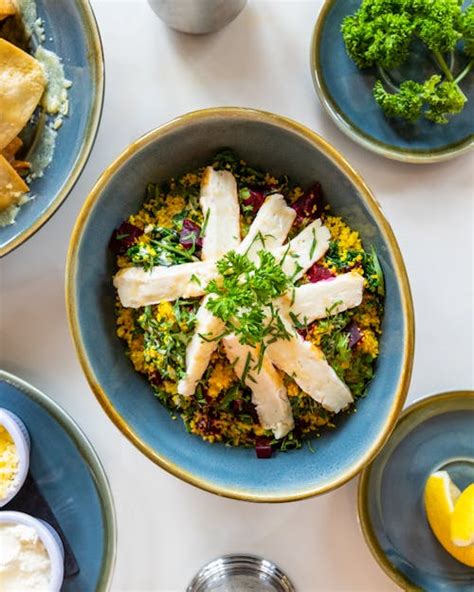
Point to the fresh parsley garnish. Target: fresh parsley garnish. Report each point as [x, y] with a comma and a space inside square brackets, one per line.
[242, 296]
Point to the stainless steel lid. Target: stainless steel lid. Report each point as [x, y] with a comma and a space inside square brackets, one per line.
[240, 573]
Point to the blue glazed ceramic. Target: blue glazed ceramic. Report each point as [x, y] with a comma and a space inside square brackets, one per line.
[280, 146]
[433, 434]
[346, 93]
[71, 479]
[71, 32]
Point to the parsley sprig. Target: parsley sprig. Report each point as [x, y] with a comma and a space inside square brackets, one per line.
[242, 297]
[385, 33]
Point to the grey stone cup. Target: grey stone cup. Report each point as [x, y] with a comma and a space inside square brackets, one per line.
[197, 16]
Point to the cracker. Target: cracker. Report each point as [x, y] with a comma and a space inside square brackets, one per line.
[12, 186]
[7, 8]
[10, 150]
[22, 82]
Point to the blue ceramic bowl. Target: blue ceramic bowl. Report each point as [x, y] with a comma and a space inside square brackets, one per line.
[71, 32]
[280, 146]
[346, 93]
[69, 476]
[433, 434]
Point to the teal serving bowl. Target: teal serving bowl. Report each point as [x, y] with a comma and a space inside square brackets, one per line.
[279, 146]
[71, 32]
[433, 434]
[69, 477]
[345, 92]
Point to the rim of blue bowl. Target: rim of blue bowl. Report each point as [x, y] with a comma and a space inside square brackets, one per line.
[89, 454]
[96, 61]
[363, 498]
[373, 205]
[356, 134]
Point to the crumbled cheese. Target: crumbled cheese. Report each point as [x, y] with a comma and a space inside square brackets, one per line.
[24, 561]
[9, 463]
[55, 98]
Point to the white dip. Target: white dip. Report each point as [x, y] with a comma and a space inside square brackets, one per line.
[24, 562]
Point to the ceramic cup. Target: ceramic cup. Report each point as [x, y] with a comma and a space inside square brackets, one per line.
[197, 16]
[50, 539]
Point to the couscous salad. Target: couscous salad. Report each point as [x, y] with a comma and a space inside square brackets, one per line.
[253, 311]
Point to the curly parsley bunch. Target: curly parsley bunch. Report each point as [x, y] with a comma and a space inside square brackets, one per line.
[381, 33]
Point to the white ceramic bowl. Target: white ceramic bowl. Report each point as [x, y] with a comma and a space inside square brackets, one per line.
[17, 430]
[50, 539]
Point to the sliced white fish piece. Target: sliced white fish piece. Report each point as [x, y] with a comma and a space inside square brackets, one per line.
[268, 391]
[300, 253]
[306, 364]
[221, 210]
[200, 348]
[269, 228]
[137, 287]
[328, 297]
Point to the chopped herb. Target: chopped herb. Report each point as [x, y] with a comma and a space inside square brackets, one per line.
[243, 296]
[314, 244]
[246, 367]
[205, 223]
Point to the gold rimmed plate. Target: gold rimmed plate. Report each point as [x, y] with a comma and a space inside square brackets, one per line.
[71, 32]
[433, 434]
[346, 93]
[280, 146]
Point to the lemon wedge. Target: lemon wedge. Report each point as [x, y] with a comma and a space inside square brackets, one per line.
[440, 498]
[462, 521]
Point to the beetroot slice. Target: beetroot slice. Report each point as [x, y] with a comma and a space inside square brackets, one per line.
[155, 379]
[319, 273]
[124, 237]
[309, 204]
[355, 334]
[190, 235]
[263, 447]
[256, 197]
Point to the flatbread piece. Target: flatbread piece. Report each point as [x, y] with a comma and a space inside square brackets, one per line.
[7, 8]
[12, 186]
[22, 82]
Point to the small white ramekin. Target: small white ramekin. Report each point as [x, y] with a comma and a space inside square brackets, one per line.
[50, 539]
[21, 439]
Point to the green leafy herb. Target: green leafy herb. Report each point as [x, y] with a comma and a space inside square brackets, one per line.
[373, 272]
[314, 244]
[242, 296]
[167, 339]
[204, 225]
[381, 33]
[163, 248]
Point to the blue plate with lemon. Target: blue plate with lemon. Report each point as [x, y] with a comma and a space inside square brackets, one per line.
[416, 500]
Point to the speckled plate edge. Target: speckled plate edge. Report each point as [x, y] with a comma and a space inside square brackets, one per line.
[96, 61]
[353, 132]
[362, 493]
[90, 456]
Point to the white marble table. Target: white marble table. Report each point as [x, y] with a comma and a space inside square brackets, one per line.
[168, 529]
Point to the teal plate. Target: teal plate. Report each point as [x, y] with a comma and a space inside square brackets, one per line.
[345, 92]
[434, 434]
[71, 479]
[72, 33]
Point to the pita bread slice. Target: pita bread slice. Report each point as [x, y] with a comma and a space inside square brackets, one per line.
[7, 8]
[22, 83]
[10, 150]
[12, 186]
